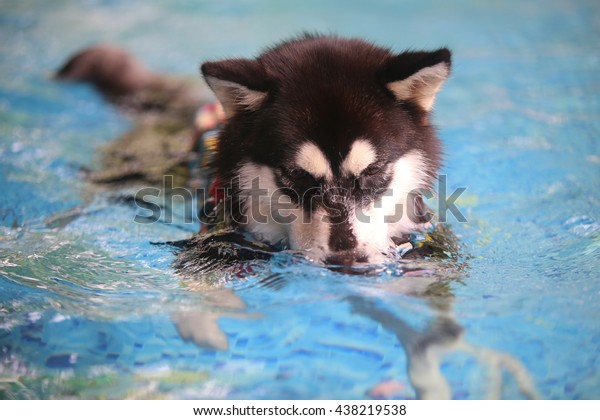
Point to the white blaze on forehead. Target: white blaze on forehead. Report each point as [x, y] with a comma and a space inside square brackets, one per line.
[361, 155]
[313, 160]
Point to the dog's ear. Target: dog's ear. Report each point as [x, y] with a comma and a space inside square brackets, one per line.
[417, 76]
[239, 84]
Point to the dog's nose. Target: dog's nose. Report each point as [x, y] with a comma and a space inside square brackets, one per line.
[346, 258]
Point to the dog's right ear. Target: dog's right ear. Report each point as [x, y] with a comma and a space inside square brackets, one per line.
[417, 76]
[239, 84]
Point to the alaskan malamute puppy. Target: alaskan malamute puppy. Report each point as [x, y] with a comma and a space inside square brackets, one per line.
[327, 145]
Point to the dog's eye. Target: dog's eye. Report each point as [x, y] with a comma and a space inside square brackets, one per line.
[373, 169]
[299, 175]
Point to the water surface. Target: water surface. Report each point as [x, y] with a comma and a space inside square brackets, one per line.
[89, 308]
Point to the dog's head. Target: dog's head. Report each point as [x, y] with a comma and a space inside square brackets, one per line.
[327, 144]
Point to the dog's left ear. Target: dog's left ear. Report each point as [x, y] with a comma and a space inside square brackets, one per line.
[239, 84]
[417, 76]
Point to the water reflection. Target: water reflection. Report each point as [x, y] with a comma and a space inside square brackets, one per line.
[200, 325]
[426, 348]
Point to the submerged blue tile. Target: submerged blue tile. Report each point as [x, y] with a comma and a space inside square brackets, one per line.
[62, 361]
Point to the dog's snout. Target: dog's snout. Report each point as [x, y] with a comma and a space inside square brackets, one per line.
[346, 258]
[341, 237]
[340, 259]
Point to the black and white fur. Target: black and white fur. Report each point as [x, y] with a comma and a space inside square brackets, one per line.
[337, 134]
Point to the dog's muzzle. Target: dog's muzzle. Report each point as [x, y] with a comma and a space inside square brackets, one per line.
[346, 258]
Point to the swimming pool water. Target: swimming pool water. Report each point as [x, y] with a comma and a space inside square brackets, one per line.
[89, 308]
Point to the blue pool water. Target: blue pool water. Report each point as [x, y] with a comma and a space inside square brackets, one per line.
[89, 308]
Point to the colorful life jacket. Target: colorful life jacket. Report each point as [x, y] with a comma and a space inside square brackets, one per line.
[207, 124]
